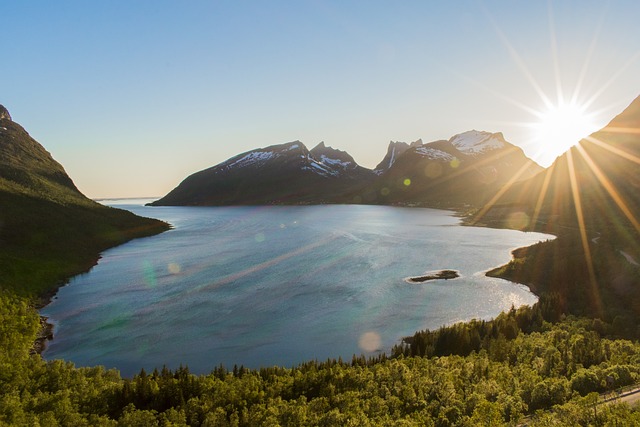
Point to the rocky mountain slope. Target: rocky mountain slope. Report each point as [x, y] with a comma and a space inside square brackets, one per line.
[279, 174]
[394, 150]
[465, 169]
[49, 230]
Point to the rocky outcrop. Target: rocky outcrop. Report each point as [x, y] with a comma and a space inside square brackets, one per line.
[4, 113]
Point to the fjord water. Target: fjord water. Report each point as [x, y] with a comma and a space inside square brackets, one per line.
[262, 286]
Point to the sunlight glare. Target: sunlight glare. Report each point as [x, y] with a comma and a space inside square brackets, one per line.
[560, 127]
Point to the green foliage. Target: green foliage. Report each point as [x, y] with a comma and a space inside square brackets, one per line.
[44, 243]
[551, 367]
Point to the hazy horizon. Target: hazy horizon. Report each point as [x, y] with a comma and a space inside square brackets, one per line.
[132, 98]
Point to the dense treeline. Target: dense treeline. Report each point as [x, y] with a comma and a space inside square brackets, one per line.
[516, 371]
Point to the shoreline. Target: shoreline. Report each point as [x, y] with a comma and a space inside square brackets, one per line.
[46, 332]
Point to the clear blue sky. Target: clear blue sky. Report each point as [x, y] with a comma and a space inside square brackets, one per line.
[133, 96]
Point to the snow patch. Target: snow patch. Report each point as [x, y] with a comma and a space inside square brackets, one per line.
[475, 142]
[334, 162]
[320, 169]
[434, 153]
[392, 160]
[252, 158]
[3, 128]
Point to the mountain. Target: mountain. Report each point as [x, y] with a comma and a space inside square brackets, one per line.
[590, 198]
[394, 150]
[467, 169]
[49, 230]
[279, 174]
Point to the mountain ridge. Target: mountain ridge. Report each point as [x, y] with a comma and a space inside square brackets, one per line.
[291, 174]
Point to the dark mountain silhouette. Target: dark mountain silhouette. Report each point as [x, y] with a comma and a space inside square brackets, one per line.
[467, 169]
[278, 174]
[394, 151]
[464, 169]
[590, 198]
[49, 230]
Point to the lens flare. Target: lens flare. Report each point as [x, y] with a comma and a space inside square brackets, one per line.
[370, 342]
[149, 274]
[174, 268]
[518, 220]
[433, 170]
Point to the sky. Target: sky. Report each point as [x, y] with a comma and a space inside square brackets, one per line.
[132, 97]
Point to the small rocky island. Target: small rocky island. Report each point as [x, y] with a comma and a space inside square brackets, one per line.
[434, 275]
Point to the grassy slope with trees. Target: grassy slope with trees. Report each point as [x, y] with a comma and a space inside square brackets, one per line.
[476, 373]
[49, 231]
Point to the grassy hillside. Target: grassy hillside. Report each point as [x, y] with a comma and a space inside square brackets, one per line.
[49, 231]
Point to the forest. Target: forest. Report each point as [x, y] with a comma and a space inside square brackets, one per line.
[531, 364]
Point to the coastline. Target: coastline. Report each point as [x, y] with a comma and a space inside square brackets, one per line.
[46, 331]
[503, 271]
[452, 221]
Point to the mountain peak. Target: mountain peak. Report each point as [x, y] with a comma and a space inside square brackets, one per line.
[475, 142]
[395, 149]
[4, 113]
[289, 146]
[333, 157]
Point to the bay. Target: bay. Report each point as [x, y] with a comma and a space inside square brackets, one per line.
[278, 285]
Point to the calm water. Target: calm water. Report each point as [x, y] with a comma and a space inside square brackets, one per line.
[278, 285]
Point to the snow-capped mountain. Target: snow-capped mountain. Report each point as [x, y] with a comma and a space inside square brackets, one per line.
[475, 142]
[337, 161]
[278, 174]
[465, 169]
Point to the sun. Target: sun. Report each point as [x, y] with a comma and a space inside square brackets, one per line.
[559, 127]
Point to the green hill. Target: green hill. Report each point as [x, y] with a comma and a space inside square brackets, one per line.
[49, 231]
